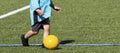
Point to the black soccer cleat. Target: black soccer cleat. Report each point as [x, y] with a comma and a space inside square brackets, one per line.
[24, 41]
[43, 45]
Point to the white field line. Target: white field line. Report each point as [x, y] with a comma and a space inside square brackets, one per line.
[14, 12]
[16, 45]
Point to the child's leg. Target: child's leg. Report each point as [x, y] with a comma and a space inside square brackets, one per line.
[46, 31]
[35, 30]
[24, 38]
[29, 34]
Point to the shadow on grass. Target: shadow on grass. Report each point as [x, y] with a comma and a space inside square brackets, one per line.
[67, 41]
[64, 42]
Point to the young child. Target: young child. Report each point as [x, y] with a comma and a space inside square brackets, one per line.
[40, 12]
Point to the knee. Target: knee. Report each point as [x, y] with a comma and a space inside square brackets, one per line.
[47, 28]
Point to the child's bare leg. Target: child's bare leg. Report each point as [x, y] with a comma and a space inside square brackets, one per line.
[29, 34]
[46, 31]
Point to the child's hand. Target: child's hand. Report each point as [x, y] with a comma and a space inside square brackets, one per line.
[57, 8]
[40, 12]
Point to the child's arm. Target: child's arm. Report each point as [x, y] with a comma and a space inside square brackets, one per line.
[55, 7]
[40, 12]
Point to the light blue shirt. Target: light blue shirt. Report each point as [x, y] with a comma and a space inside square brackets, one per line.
[44, 5]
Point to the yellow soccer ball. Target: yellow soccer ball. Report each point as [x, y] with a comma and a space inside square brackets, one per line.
[51, 42]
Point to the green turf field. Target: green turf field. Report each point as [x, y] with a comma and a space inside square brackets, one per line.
[83, 21]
